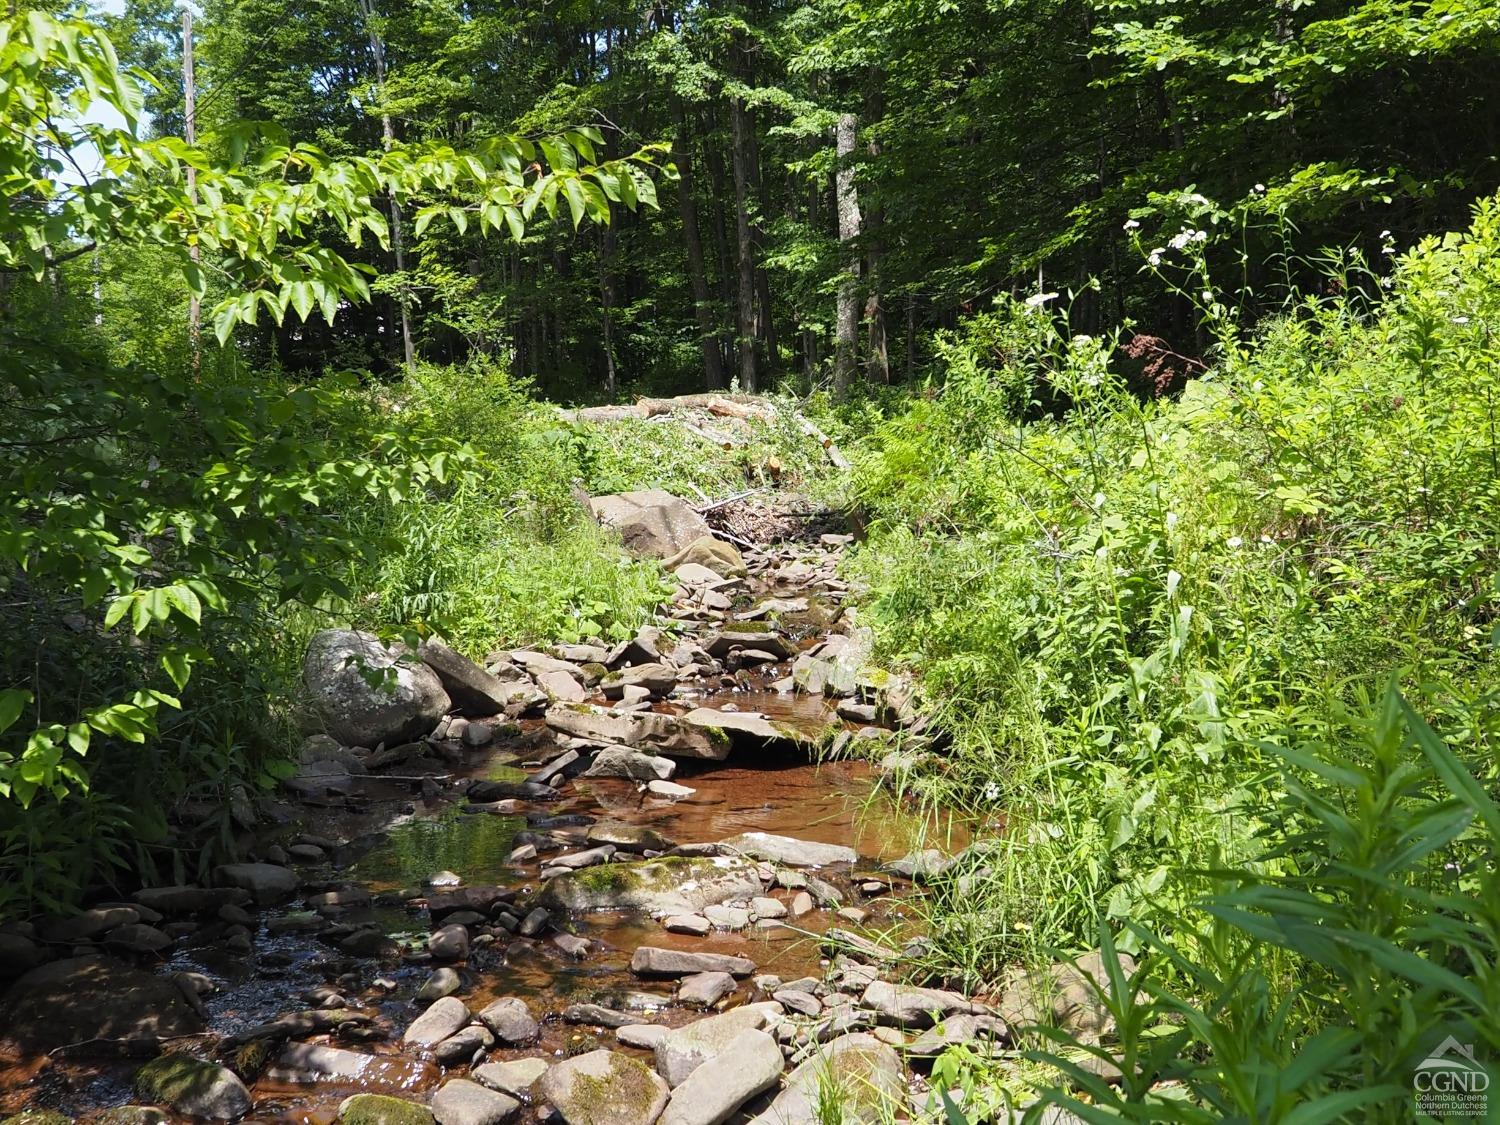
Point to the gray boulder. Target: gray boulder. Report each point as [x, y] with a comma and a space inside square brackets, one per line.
[651, 523]
[621, 761]
[682, 1050]
[267, 883]
[462, 1102]
[515, 1078]
[404, 703]
[194, 1088]
[604, 1088]
[381, 1109]
[511, 1021]
[750, 1064]
[906, 1005]
[443, 1019]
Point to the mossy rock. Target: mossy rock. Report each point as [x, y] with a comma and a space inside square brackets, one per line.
[38, 1117]
[133, 1115]
[668, 883]
[604, 1088]
[193, 1087]
[381, 1109]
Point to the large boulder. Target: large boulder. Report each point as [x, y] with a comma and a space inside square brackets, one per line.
[267, 883]
[667, 885]
[658, 733]
[651, 523]
[906, 1005]
[862, 1075]
[604, 1088]
[1070, 995]
[93, 999]
[404, 702]
[462, 1102]
[381, 1109]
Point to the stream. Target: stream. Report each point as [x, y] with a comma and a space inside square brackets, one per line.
[387, 836]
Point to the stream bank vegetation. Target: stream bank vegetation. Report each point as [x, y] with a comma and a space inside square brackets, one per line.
[1222, 664]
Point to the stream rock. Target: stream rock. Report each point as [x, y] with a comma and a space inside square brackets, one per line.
[442, 982]
[656, 679]
[748, 727]
[654, 961]
[683, 1049]
[407, 702]
[627, 837]
[667, 885]
[89, 998]
[89, 924]
[451, 943]
[194, 1088]
[864, 1074]
[721, 644]
[460, 1048]
[833, 667]
[621, 761]
[304, 1063]
[515, 1078]
[663, 734]
[461, 1102]
[788, 851]
[511, 1021]
[380, 1109]
[704, 990]
[443, 1019]
[906, 1005]
[604, 1088]
[268, 883]
[651, 523]
[750, 1064]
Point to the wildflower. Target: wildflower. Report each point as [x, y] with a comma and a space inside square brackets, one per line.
[1208, 296]
[1171, 520]
[1234, 541]
[1099, 499]
[1154, 257]
[1037, 300]
[1081, 339]
[992, 792]
[1131, 224]
[1196, 198]
[1260, 189]
[1460, 320]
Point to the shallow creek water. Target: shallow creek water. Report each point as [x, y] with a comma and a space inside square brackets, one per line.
[396, 843]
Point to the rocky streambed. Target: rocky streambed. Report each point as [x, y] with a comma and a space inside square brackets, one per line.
[650, 880]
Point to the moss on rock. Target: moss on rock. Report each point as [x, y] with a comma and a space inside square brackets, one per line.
[381, 1109]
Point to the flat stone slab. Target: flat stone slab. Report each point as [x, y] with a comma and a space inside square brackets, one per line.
[654, 961]
[648, 730]
[461, 1102]
[682, 1050]
[789, 851]
[667, 885]
[750, 1064]
[863, 1074]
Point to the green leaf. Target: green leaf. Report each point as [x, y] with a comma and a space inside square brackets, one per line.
[12, 702]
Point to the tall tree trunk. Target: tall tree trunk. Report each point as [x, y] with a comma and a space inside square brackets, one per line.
[745, 245]
[848, 294]
[878, 355]
[190, 134]
[607, 300]
[703, 308]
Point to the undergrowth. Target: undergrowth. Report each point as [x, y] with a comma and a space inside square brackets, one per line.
[1143, 623]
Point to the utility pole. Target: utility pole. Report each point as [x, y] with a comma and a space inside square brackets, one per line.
[388, 137]
[190, 134]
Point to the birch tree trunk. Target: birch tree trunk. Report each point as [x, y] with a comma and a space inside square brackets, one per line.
[845, 355]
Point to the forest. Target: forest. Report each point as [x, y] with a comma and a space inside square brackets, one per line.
[777, 563]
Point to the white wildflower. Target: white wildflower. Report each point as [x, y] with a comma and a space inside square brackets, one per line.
[1260, 189]
[1099, 499]
[1460, 320]
[1208, 296]
[1081, 339]
[1234, 541]
[1131, 224]
[1037, 300]
[1154, 257]
[1171, 520]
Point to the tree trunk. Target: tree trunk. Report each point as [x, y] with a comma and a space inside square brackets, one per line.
[388, 138]
[607, 300]
[765, 324]
[745, 245]
[878, 361]
[848, 293]
[703, 307]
